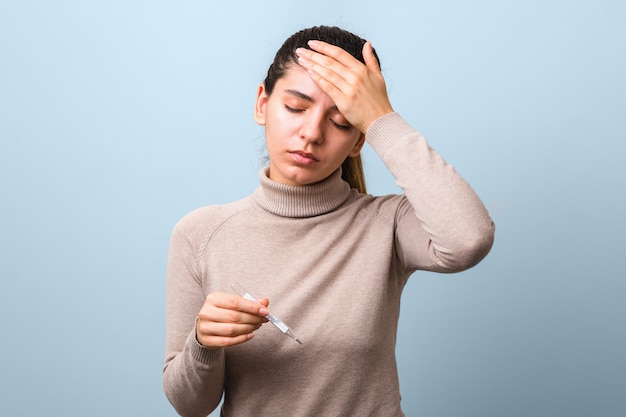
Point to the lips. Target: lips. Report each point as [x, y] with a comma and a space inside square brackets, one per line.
[303, 158]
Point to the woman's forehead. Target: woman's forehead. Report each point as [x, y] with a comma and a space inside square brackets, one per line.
[297, 82]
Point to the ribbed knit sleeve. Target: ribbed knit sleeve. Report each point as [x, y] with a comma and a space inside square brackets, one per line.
[193, 376]
[458, 229]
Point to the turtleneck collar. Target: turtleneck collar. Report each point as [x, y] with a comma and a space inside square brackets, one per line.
[301, 201]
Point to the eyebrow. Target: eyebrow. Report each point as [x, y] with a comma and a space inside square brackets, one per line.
[300, 95]
[304, 97]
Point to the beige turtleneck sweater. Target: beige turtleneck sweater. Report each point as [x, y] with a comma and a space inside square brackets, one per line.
[333, 264]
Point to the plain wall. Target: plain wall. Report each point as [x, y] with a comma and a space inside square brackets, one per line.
[118, 117]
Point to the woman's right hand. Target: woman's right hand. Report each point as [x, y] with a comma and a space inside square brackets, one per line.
[228, 320]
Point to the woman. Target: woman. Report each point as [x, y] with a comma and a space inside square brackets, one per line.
[332, 259]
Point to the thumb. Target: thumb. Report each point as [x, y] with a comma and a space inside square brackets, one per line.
[368, 56]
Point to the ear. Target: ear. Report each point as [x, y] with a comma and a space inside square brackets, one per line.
[260, 105]
[357, 146]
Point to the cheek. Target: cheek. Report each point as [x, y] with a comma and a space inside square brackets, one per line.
[274, 136]
[347, 142]
[280, 122]
[278, 131]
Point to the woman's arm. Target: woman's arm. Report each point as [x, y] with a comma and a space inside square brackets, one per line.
[453, 230]
[198, 328]
[193, 375]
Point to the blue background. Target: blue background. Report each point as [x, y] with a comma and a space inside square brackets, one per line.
[118, 117]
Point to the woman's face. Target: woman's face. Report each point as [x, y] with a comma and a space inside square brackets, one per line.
[307, 138]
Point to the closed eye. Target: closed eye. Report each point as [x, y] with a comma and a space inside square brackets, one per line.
[292, 110]
[337, 125]
[340, 126]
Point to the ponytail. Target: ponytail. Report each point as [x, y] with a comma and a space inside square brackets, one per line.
[352, 172]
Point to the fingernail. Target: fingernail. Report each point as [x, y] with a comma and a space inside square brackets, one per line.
[302, 60]
[264, 311]
[300, 51]
[313, 43]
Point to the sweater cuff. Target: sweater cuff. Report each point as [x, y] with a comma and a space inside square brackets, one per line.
[387, 130]
[203, 354]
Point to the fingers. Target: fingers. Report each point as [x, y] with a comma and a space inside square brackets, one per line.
[324, 55]
[358, 90]
[327, 51]
[228, 320]
[331, 67]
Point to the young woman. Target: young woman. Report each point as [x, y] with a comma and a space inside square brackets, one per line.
[332, 259]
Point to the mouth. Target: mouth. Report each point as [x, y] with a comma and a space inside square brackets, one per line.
[303, 158]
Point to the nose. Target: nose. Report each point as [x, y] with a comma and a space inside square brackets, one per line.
[311, 130]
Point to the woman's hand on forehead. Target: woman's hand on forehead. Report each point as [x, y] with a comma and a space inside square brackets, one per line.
[358, 90]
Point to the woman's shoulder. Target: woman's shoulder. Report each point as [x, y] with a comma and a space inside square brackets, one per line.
[204, 218]
[386, 206]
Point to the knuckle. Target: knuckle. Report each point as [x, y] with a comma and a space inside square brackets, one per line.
[361, 70]
[351, 92]
[327, 62]
[210, 299]
[233, 316]
[232, 303]
[221, 342]
[231, 330]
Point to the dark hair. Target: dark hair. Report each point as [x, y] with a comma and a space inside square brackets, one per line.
[352, 168]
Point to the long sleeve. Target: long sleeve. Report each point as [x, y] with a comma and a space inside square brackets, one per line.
[193, 376]
[454, 230]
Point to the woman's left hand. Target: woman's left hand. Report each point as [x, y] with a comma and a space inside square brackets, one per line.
[358, 90]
